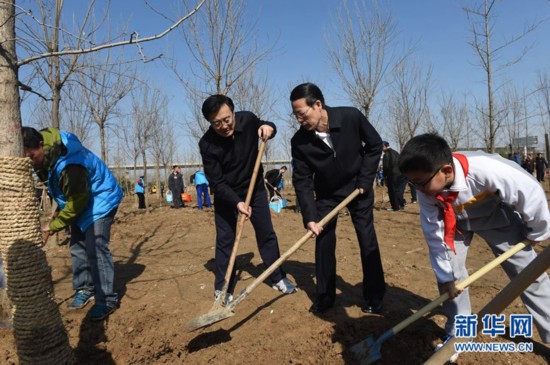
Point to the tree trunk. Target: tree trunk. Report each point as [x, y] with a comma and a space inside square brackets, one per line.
[40, 337]
[55, 108]
[492, 127]
[157, 180]
[102, 140]
[144, 157]
[11, 143]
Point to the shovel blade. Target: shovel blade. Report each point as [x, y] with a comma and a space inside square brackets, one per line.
[367, 351]
[209, 318]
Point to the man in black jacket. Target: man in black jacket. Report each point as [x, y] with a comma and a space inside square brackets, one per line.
[273, 179]
[540, 166]
[177, 187]
[395, 181]
[229, 149]
[335, 151]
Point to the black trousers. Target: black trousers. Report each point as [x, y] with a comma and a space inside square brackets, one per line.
[141, 200]
[225, 217]
[540, 174]
[176, 200]
[360, 210]
[396, 190]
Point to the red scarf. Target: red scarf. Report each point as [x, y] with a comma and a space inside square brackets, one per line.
[449, 217]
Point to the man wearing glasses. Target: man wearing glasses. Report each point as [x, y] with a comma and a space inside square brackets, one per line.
[229, 149]
[335, 151]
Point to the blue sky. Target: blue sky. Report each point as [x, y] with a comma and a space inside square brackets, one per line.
[438, 28]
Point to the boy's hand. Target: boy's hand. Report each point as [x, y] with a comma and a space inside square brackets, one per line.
[450, 287]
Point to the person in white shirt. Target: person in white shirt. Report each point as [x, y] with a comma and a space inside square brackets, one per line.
[483, 194]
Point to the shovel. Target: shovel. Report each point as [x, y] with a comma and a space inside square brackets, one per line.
[514, 289]
[219, 314]
[368, 350]
[218, 302]
[274, 189]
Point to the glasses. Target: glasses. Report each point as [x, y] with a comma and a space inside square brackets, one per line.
[421, 185]
[300, 115]
[219, 123]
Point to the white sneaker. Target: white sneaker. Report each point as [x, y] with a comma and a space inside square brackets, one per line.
[226, 301]
[285, 286]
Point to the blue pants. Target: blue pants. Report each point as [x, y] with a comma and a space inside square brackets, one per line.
[93, 267]
[225, 216]
[202, 190]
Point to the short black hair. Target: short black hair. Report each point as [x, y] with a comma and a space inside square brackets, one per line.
[31, 137]
[310, 91]
[425, 152]
[284, 167]
[213, 104]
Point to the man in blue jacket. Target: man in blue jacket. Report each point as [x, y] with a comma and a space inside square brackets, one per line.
[140, 192]
[88, 196]
[201, 184]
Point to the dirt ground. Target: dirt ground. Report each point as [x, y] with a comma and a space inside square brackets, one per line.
[164, 263]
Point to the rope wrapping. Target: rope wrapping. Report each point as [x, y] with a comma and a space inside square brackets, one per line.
[39, 333]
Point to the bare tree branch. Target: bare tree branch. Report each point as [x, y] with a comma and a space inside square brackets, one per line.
[408, 102]
[360, 50]
[104, 87]
[481, 19]
[225, 55]
[132, 40]
[455, 121]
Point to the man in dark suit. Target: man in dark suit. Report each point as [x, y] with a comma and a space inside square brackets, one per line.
[273, 179]
[229, 149]
[335, 151]
[177, 187]
[395, 181]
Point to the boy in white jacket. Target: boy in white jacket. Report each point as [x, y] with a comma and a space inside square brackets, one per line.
[483, 194]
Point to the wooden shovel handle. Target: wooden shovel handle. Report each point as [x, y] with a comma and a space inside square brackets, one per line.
[242, 218]
[293, 249]
[463, 284]
[515, 288]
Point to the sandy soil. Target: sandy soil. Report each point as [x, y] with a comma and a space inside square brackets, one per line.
[164, 262]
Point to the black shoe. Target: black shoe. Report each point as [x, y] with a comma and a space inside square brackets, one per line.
[372, 308]
[321, 304]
